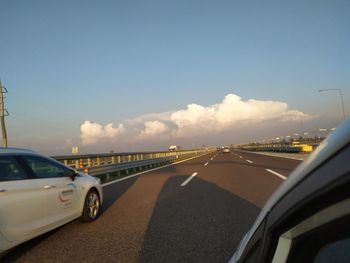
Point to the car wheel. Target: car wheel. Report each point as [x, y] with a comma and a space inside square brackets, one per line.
[91, 206]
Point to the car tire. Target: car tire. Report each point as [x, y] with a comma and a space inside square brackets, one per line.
[92, 206]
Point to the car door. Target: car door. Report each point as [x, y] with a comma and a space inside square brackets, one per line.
[61, 202]
[21, 201]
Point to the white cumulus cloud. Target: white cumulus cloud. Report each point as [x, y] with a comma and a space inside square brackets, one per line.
[154, 129]
[197, 119]
[91, 132]
[233, 113]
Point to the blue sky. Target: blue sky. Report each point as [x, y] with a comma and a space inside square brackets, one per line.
[65, 62]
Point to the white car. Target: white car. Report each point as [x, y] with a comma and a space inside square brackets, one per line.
[226, 150]
[38, 194]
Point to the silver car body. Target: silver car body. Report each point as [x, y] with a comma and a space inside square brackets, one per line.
[33, 206]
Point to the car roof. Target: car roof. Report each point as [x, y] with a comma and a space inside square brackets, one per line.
[331, 145]
[14, 150]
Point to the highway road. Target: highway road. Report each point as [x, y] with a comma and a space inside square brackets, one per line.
[193, 211]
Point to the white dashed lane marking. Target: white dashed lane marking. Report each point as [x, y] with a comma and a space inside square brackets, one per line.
[189, 179]
[277, 174]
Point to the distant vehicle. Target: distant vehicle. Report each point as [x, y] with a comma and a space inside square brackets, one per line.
[307, 218]
[174, 148]
[38, 194]
[226, 150]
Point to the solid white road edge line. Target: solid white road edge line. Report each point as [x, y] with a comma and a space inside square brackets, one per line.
[189, 179]
[277, 174]
[249, 161]
[279, 156]
[133, 175]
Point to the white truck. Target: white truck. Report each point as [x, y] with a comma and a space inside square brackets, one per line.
[174, 148]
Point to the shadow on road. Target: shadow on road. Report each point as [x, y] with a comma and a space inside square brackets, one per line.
[209, 233]
[16, 253]
[113, 192]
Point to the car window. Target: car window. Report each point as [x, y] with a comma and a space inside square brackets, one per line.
[329, 242]
[253, 254]
[10, 169]
[254, 245]
[336, 252]
[44, 168]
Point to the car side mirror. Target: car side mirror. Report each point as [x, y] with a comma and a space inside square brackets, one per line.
[72, 174]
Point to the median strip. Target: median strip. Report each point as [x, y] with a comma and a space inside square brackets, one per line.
[189, 179]
[277, 174]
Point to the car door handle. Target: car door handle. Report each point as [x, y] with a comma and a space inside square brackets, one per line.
[49, 186]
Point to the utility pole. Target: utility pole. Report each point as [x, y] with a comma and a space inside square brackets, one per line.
[3, 113]
[341, 99]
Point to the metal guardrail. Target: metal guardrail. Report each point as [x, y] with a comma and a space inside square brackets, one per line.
[112, 166]
[134, 166]
[115, 162]
[126, 168]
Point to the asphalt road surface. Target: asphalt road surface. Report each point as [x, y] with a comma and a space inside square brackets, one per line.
[194, 211]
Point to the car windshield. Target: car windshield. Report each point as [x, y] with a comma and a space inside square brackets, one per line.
[166, 125]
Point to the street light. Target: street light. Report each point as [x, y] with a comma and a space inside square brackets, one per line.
[341, 98]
